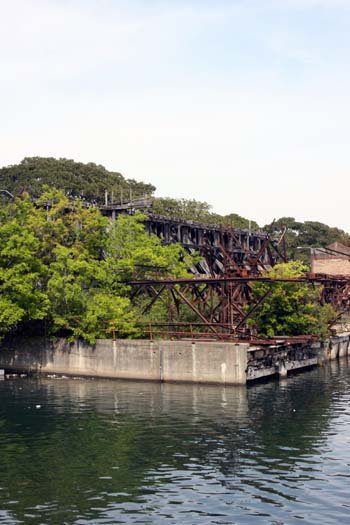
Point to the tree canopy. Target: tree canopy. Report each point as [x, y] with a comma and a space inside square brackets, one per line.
[291, 308]
[75, 179]
[68, 266]
[65, 266]
[300, 236]
[193, 210]
[90, 181]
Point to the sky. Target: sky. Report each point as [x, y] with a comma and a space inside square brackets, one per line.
[240, 103]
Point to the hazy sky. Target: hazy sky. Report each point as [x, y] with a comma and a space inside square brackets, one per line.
[241, 103]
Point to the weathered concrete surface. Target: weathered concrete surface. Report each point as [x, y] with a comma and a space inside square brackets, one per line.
[211, 362]
[204, 362]
[295, 365]
[338, 346]
[273, 360]
[165, 361]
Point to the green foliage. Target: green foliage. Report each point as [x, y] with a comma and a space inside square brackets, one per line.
[74, 178]
[187, 209]
[190, 209]
[10, 314]
[67, 265]
[80, 299]
[300, 236]
[22, 270]
[133, 254]
[291, 308]
[234, 220]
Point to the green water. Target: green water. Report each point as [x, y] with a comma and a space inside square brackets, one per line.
[97, 452]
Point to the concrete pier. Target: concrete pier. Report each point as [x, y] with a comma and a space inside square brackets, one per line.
[281, 358]
[180, 361]
[168, 361]
[338, 346]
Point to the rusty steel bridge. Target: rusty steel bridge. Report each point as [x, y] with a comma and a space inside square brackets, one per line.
[225, 251]
[219, 295]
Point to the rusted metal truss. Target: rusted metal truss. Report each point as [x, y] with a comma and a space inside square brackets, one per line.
[336, 292]
[219, 297]
[217, 306]
[221, 306]
[225, 251]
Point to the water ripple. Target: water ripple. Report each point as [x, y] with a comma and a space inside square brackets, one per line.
[98, 452]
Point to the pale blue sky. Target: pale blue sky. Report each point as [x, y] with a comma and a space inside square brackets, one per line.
[242, 103]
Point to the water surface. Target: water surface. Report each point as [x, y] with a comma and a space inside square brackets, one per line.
[77, 451]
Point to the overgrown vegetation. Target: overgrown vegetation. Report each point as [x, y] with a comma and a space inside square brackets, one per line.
[301, 236]
[291, 308]
[190, 209]
[66, 266]
[90, 181]
[76, 179]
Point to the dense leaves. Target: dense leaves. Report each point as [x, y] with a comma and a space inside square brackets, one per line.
[133, 254]
[22, 271]
[291, 308]
[301, 236]
[90, 181]
[190, 209]
[76, 179]
[64, 266]
[68, 266]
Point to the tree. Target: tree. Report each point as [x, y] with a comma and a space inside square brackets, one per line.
[192, 210]
[132, 254]
[65, 264]
[90, 263]
[185, 209]
[22, 297]
[306, 234]
[81, 302]
[291, 308]
[76, 179]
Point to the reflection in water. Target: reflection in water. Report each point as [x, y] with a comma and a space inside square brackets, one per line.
[88, 451]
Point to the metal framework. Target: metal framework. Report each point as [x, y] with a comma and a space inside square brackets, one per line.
[219, 297]
[336, 291]
[225, 251]
[221, 306]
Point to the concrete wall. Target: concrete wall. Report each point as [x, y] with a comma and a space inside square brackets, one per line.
[331, 266]
[180, 361]
[211, 362]
[338, 346]
[200, 362]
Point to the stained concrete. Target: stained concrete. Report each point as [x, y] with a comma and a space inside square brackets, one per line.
[338, 346]
[162, 361]
[202, 362]
[211, 362]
